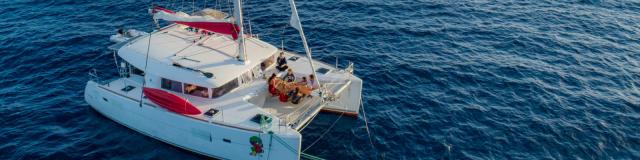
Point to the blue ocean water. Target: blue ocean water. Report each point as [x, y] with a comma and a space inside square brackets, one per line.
[443, 79]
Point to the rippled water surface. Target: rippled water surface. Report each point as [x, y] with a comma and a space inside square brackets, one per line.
[443, 79]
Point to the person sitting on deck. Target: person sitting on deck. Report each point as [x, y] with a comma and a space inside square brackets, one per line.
[272, 84]
[289, 77]
[270, 80]
[282, 90]
[292, 88]
[296, 96]
[282, 62]
[303, 82]
[312, 82]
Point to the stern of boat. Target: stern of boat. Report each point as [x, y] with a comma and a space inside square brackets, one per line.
[345, 97]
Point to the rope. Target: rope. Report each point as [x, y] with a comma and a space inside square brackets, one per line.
[366, 124]
[308, 156]
[283, 143]
[325, 132]
[146, 62]
[270, 144]
[304, 155]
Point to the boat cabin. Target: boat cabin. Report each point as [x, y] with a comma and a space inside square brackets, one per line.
[201, 65]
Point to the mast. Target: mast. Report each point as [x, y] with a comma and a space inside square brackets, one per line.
[295, 23]
[242, 56]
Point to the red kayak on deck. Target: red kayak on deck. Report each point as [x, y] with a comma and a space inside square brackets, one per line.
[171, 101]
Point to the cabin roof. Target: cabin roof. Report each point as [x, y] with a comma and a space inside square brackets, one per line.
[212, 53]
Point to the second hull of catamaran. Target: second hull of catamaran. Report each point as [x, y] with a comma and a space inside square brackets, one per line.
[210, 139]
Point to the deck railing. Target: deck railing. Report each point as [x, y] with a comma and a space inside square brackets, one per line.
[326, 94]
[294, 118]
[93, 76]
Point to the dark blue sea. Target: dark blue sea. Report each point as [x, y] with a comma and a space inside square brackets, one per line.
[443, 79]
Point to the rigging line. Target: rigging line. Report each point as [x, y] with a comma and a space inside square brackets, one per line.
[366, 124]
[325, 132]
[285, 144]
[270, 144]
[146, 62]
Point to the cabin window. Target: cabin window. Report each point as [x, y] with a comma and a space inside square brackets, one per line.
[126, 69]
[195, 90]
[224, 89]
[137, 71]
[256, 72]
[247, 77]
[171, 85]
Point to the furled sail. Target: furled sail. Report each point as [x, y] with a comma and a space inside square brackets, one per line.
[295, 23]
[201, 22]
[295, 20]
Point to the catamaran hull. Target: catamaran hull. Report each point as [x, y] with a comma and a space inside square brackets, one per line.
[209, 139]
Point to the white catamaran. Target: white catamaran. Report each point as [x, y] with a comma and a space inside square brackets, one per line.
[203, 85]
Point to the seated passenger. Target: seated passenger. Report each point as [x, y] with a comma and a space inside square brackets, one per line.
[292, 90]
[273, 90]
[204, 93]
[283, 97]
[296, 96]
[189, 89]
[303, 82]
[289, 77]
[312, 82]
[270, 79]
[273, 81]
[282, 62]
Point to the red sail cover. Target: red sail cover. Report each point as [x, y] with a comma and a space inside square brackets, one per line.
[217, 27]
[170, 101]
[200, 22]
